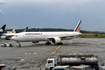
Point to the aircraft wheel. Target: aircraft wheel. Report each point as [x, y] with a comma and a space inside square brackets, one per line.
[10, 45]
[59, 43]
[48, 43]
[5, 45]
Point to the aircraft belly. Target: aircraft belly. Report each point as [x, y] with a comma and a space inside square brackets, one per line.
[30, 39]
[33, 38]
[41, 37]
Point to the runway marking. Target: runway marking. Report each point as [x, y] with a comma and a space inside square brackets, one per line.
[70, 53]
[47, 53]
[48, 50]
[57, 49]
[25, 53]
[34, 53]
[51, 53]
[29, 53]
[15, 45]
[80, 53]
[94, 44]
[91, 43]
[58, 53]
[74, 53]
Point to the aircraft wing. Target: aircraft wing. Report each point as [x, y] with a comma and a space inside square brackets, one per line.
[9, 35]
[63, 37]
[50, 38]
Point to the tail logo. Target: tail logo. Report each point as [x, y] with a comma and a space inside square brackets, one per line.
[13, 32]
[78, 27]
[41, 33]
[24, 30]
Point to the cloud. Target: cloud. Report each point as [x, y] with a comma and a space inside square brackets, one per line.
[2, 2]
[1, 12]
[49, 1]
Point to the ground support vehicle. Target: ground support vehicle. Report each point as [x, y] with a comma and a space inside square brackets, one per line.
[73, 60]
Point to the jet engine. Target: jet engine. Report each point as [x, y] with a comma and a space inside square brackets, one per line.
[35, 41]
[56, 40]
[5, 38]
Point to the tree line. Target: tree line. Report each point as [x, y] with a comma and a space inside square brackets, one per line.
[52, 30]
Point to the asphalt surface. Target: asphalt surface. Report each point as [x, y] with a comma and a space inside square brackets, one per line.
[34, 56]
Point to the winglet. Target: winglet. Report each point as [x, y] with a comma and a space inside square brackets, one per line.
[78, 27]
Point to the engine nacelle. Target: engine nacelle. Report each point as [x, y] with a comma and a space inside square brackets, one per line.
[56, 40]
[3, 37]
[35, 41]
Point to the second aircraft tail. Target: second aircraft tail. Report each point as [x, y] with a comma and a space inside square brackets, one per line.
[2, 29]
[25, 29]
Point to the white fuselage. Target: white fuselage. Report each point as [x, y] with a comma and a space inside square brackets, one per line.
[43, 36]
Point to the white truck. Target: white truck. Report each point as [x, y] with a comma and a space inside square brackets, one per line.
[6, 45]
[72, 60]
[50, 63]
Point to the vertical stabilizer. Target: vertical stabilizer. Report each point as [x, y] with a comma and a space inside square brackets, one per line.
[2, 29]
[78, 27]
[13, 31]
[25, 29]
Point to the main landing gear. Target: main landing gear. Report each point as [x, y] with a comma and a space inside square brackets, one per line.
[48, 43]
[60, 43]
[19, 44]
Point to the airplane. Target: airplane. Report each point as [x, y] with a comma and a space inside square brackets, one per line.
[3, 37]
[2, 29]
[55, 37]
[13, 31]
[7, 36]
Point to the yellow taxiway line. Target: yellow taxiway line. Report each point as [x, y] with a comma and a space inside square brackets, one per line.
[29, 53]
[57, 49]
[75, 53]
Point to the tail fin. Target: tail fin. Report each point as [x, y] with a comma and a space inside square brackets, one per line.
[78, 27]
[13, 31]
[25, 29]
[2, 29]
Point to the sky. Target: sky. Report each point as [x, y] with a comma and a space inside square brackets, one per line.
[18, 14]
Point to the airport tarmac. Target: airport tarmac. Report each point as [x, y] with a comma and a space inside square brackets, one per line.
[33, 56]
